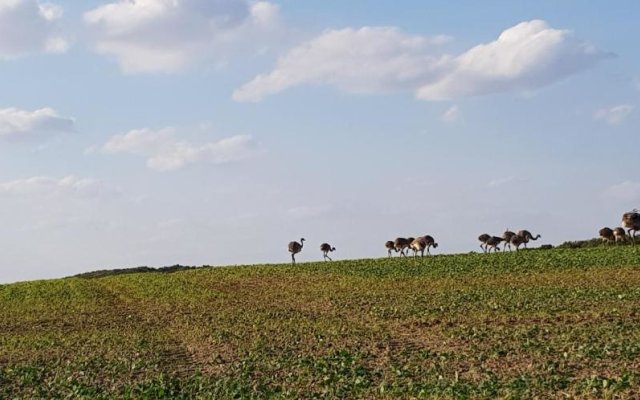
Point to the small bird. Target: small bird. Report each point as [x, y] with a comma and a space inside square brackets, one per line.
[295, 248]
[326, 248]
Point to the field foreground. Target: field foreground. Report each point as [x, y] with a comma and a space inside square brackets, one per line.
[546, 324]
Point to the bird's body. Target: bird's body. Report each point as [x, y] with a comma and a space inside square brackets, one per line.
[493, 243]
[620, 234]
[631, 221]
[390, 245]
[483, 241]
[516, 241]
[326, 249]
[527, 236]
[606, 234]
[506, 236]
[295, 248]
[400, 244]
[421, 244]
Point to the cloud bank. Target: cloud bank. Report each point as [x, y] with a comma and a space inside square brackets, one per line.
[28, 27]
[18, 123]
[164, 152]
[169, 35]
[525, 57]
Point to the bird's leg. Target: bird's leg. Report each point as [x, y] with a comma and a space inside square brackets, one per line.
[293, 258]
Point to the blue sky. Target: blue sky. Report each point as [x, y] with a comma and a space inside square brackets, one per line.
[156, 132]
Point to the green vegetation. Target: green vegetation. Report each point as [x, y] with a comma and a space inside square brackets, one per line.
[546, 324]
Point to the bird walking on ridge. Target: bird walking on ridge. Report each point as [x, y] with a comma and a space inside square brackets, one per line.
[506, 236]
[631, 221]
[620, 235]
[493, 243]
[607, 235]
[526, 235]
[422, 243]
[390, 245]
[401, 244]
[516, 241]
[483, 241]
[326, 249]
[295, 248]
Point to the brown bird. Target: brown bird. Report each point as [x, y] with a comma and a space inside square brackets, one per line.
[483, 241]
[326, 249]
[493, 243]
[620, 235]
[401, 244]
[631, 221]
[526, 235]
[606, 234]
[295, 248]
[390, 245]
[506, 236]
[422, 243]
[516, 241]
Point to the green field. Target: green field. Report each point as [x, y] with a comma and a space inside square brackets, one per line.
[548, 324]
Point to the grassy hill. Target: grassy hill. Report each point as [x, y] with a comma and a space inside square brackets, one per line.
[519, 325]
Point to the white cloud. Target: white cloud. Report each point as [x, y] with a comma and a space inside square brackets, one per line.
[525, 57]
[47, 186]
[28, 27]
[614, 115]
[451, 115]
[169, 35]
[164, 152]
[17, 123]
[627, 191]
[365, 60]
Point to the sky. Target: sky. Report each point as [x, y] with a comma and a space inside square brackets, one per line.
[213, 132]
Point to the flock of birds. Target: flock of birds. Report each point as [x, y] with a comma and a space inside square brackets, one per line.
[630, 220]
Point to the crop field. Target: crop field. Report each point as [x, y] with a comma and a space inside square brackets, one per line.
[561, 323]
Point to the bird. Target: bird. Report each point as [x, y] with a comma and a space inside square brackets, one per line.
[631, 221]
[422, 243]
[492, 243]
[620, 234]
[295, 248]
[606, 234]
[516, 241]
[401, 244]
[390, 245]
[483, 241]
[506, 236]
[326, 248]
[526, 235]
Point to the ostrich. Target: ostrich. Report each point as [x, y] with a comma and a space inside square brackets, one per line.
[295, 248]
[526, 235]
[401, 244]
[492, 243]
[326, 248]
[606, 234]
[422, 243]
[620, 234]
[516, 241]
[631, 221]
[390, 245]
[506, 236]
[483, 241]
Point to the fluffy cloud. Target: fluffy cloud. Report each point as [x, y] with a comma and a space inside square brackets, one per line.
[17, 123]
[627, 191]
[614, 115]
[525, 57]
[165, 153]
[27, 26]
[46, 186]
[366, 60]
[168, 35]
